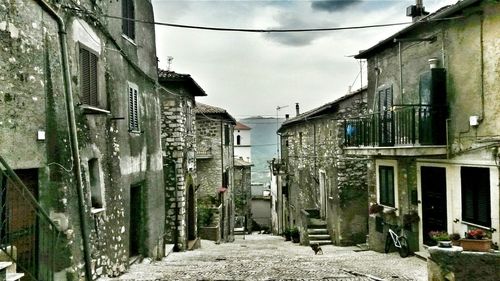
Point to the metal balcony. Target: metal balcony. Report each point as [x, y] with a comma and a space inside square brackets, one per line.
[401, 126]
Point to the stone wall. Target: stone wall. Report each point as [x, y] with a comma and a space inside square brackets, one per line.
[455, 264]
[179, 165]
[217, 158]
[243, 196]
[312, 152]
[128, 163]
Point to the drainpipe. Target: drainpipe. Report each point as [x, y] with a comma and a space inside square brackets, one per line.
[68, 92]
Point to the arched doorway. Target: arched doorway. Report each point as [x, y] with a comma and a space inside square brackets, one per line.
[191, 213]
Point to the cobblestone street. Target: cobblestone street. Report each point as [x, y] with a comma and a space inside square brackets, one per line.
[266, 257]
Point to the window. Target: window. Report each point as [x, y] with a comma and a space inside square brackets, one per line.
[300, 138]
[128, 14]
[226, 135]
[476, 195]
[386, 185]
[225, 179]
[238, 140]
[96, 196]
[88, 77]
[386, 127]
[133, 107]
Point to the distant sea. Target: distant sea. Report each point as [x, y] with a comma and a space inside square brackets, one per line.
[264, 145]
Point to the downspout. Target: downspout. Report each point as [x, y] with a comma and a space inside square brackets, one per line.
[223, 210]
[481, 48]
[68, 92]
[401, 70]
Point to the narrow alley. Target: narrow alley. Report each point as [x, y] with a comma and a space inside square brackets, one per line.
[266, 257]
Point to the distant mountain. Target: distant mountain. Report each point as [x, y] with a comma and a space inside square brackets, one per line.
[264, 149]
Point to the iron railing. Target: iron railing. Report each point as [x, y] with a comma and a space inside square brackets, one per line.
[402, 125]
[28, 237]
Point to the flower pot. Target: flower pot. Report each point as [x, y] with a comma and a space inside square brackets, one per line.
[476, 245]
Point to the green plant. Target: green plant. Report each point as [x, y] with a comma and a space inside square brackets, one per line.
[439, 235]
[375, 209]
[410, 218]
[454, 237]
[287, 234]
[477, 234]
[295, 234]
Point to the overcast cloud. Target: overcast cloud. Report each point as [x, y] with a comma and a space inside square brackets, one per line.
[251, 73]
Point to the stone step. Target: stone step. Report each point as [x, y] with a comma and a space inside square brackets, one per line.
[14, 276]
[313, 231]
[320, 242]
[319, 237]
[316, 222]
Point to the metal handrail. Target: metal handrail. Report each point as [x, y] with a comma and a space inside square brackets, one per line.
[31, 239]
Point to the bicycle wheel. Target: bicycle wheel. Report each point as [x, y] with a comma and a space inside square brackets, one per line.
[404, 251]
[388, 243]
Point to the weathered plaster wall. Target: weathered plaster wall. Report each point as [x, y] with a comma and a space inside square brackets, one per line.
[33, 95]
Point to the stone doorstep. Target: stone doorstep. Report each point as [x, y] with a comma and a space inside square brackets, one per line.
[169, 248]
[319, 237]
[317, 231]
[423, 255]
[14, 276]
[320, 242]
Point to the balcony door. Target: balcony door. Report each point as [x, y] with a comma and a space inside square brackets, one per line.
[386, 117]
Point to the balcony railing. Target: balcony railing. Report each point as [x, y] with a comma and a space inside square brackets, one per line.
[403, 125]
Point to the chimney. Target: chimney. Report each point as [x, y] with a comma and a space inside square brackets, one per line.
[297, 109]
[287, 116]
[416, 11]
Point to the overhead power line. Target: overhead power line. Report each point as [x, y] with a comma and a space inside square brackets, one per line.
[243, 29]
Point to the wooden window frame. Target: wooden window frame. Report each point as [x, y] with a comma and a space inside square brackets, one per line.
[386, 164]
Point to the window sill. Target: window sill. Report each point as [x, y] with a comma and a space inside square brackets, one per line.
[134, 132]
[95, 211]
[130, 40]
[88, 109]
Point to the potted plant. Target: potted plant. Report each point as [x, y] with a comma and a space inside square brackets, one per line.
[295, 234]
[375, 209]
[441, 238]
[287, 234]
[455, 239]
[476, 240]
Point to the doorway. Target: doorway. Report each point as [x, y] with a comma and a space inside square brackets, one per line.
[19, 221]
[136, 221]
[434, 211]
[322, 194]
[191, 216]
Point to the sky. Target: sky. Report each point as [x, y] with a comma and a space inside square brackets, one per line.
[251, 74]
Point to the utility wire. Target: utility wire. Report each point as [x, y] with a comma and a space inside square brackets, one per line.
[245, 29]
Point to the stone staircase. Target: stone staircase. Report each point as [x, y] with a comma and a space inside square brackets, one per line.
[8, 268]
[8, 271]
[318, 232]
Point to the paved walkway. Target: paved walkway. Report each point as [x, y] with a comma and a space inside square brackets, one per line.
[266, 257]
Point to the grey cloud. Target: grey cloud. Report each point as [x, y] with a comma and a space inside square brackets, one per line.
[298, 21]
[333, 5]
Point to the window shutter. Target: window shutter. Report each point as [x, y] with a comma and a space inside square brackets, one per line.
[128, 26]
[88, 78]
[476, 205]
[84, 76]
[133, 109]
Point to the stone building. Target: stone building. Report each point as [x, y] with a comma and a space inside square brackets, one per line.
[215, 168]
[432, 135]
[177, 97]
[243, 194]
[79, 112]
[318, 186]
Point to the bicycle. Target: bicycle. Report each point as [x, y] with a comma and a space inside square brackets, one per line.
[399, 241]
